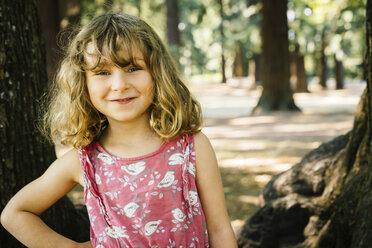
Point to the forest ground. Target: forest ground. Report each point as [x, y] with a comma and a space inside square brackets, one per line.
[251, 149]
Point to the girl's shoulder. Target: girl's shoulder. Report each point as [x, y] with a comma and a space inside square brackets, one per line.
[201, 140]
[203, 148]
[198, 142]
[69, 164]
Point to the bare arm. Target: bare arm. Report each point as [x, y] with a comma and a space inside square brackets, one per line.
[211, 194]
[21, 215]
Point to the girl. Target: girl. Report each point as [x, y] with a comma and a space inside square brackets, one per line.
[150, 176]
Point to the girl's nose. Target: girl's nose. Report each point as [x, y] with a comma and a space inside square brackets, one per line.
[120, 81]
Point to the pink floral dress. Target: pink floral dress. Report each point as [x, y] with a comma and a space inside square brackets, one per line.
[147, 201]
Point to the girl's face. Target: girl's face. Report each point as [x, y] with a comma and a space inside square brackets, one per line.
[122, 94]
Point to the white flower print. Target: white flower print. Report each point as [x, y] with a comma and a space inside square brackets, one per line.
[116, 232]
[105, 158]
[98, 179]
[130, 208]
[191, 169]
[112, 195]
[100, 246]
[151, 226]
[167, 180]
[187, 151]
[175, 159]
[193, 197]
[178, 214]
[135, 168]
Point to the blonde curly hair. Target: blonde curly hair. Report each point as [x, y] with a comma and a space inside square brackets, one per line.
[70, 117]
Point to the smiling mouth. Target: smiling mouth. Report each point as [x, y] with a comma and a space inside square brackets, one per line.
[123, 101]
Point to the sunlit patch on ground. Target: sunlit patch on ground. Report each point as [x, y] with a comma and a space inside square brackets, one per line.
[252, 149]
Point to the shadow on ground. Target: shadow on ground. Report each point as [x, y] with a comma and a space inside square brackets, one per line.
[251, 149]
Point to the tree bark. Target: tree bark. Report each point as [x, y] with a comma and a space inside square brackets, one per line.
[50, 22]
[54, 17]
[299, 70]
[276, 94]
[257, 67]
[222, 36]
[173, 34]
[322, 65]
[238, 66]
[339, 74]
[70, 12]
[172, 22]
[325, 200]
[301, 83]
[23, 80]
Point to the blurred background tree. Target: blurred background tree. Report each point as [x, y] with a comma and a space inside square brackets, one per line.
[328, 35]
[277, 93]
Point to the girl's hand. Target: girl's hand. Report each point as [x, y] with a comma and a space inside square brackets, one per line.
[87, 244]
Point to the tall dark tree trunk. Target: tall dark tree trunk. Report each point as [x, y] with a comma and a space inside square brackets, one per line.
[173, 34]
[222, 36]
[50, 23]
[322, 65]
[339, 74]
[70, 11]
[258, 67]
[55, 15]
[238, 66]
[23, 80]
[252, 71]
[301, 83]
[325, 200]
[299, 70]
[276, 94]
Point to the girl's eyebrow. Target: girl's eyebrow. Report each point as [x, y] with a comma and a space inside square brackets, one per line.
[102, 65]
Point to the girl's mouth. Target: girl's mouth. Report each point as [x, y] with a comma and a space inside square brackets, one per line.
[124, 100]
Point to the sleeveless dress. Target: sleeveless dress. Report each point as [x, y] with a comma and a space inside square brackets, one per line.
[146, 201]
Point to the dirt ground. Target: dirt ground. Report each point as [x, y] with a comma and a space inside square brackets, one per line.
[251, 149]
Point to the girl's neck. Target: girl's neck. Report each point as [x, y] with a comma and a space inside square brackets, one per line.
[130, 139]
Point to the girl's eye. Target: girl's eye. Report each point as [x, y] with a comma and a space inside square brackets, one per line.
[133, 69]
[102, 73]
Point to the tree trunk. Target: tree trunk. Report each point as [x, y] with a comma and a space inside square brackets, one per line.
[23, 80]
[322, 65]
[172, 22]
[173, 33]
[257, 67]
[339, 74]
[325, 200]
[53, 17]
[222, 35]
[50, 23]
[238, 66]
[301, 83]
[70, 12]
[299, 71]
[276, 94]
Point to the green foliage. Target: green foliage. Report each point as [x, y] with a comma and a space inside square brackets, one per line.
[341, 22]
